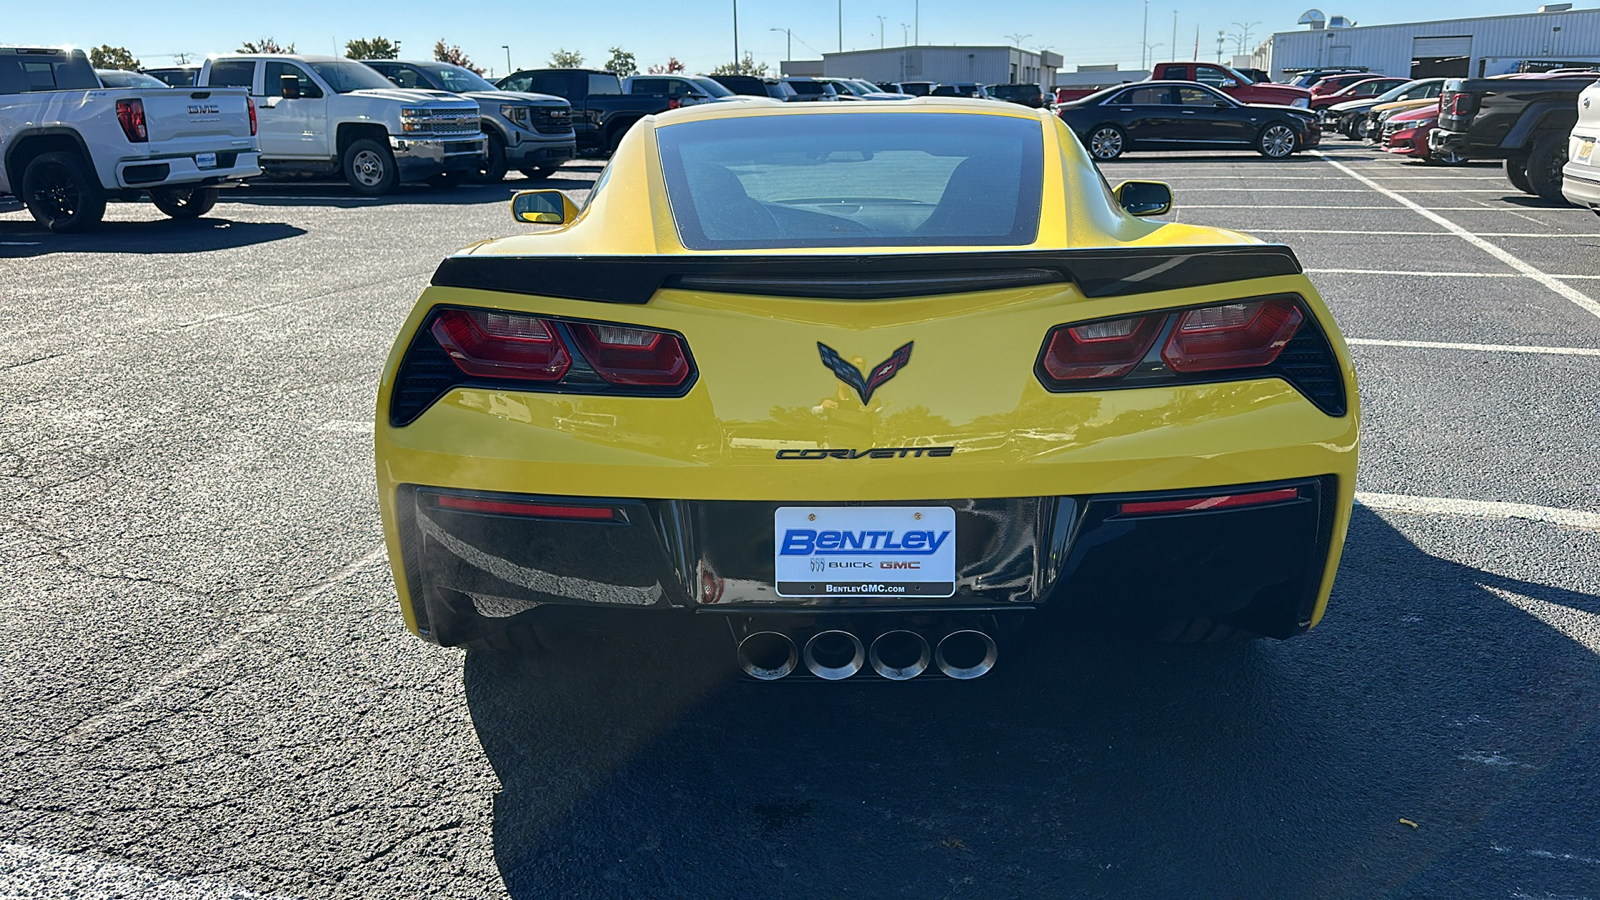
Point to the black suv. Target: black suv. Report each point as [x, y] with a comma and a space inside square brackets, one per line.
[1025, 94]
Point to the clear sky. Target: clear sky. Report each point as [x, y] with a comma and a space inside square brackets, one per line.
[697, 32]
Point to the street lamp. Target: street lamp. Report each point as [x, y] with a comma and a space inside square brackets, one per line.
[905, 34]
[1244, 34]
[788, 51]
[1017, 38]
[507, 49]
[880, 32]
[736, 35]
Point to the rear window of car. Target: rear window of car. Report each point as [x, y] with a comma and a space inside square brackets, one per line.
[854, 180]
[22, 72]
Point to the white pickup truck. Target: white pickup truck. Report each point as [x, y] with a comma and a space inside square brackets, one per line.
[67, 144]
[324, 115]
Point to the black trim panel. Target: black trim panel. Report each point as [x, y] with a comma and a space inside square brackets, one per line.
[1098, 272]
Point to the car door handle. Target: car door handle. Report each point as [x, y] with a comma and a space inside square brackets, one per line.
[1188, 112]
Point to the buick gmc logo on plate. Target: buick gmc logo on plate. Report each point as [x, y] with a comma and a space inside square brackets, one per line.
[891, 551]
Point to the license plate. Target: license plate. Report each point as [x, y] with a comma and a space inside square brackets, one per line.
[206, 160]
[1585, 150]
[865, 551]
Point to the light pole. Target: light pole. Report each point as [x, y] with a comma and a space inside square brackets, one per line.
[841, 26]
[1174, 44]
[735, 35]
[1244, 34]
[507, 49]
[788, 49]
[1151, 50]
[1144, 39]
[905, 34]
[1221, 37]
[1017, 38]
[916, 27]
[880, 32]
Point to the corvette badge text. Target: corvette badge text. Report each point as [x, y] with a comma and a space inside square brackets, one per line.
[871, 453]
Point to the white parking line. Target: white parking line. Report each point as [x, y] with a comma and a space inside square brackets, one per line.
[1323, 207]
[1297, 190]
[1576, 296]
[1579, 624]
[1502, 234]
[1486, 348]
[1479, 509]
[227, 647]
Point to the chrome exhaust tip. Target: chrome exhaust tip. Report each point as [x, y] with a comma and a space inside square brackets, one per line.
[899, 655]
[965, 654]
[767, 655]
[834, 655]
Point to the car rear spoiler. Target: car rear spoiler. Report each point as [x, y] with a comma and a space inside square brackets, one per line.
[1097, 272]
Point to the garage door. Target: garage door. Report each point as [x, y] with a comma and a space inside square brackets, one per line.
[1434, 47]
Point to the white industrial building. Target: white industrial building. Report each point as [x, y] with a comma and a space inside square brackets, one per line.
[1452, 48]
[982, 65]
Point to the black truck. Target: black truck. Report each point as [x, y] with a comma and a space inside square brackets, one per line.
[601, 112]
[1524, 120]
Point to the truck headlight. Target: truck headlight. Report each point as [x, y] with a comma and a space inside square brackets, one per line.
[519, 116]
[1302, 102]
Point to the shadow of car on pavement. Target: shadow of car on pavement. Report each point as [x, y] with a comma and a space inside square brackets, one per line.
[23, 238]
[1092, 766]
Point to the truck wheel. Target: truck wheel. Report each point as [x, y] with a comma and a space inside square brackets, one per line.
[1544, 168]
[185, 203]
[369, 167]
[540, 172]
[494, 166]
[1276, 141]
[1517, 174]
[1107, 142]
[62, 194]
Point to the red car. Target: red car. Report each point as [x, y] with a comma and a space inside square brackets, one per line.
[1406, 134]
[1371, 87]
[1333, 84]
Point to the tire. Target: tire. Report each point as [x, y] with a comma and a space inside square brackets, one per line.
[1447, 158]
[1277, 141]
[539, 172]
[369, 168]
[185, 203]
[1517, 174]
[62, 194]
[615, 135]
[1106, 142]
[1362, 128]
[1544, 168]
[494, 167]
[1199, 631]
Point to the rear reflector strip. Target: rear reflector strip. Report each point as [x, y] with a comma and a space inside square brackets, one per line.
[534, 510]
[1205, 504]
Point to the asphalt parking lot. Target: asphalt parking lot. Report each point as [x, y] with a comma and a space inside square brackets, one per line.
[212, 694]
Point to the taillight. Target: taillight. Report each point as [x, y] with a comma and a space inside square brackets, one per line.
[130, 115]
[1235, 336]
[529, 508]
[493, 344]
[252, 105]
[633, 355]
[1461, 104]
[1100, 349]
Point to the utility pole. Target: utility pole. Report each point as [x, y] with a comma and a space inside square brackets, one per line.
[880, 32]
[1144, 39]
[1174, 44]
[1222, 36]
[788, 51]
[736, 35]
[507, 49]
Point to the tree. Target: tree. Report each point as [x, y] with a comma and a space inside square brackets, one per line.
[621, 63]
[746, 66]
[566, 59]
[372, 48]
[265, 45]
[106, 56]
[450, 53]
[671, 68]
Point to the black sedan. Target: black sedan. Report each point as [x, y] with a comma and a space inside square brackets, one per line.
[1185, 115]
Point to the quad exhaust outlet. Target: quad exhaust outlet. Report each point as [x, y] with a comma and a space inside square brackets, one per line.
[899, 654]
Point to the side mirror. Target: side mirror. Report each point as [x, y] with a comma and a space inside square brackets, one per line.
[1145, 198]
[543, 208]
[289, 87]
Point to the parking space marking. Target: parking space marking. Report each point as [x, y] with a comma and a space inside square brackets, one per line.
[1501, 234]
[227, 647]
[1479, 509]
[1580, 625]
[1486, 348]
[1576, 296]
[1300, 190]
[1391, 272]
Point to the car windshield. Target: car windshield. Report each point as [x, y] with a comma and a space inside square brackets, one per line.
[344, 76]
[458, 80]
[850, 180]
[710, 86]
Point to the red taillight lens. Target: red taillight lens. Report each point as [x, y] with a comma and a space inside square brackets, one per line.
[1460, 104]
[1100, 349]
[252, 105]
[526, 508]
[130, 115]
[1235, 336]
[1201, 504]
[493, 344]
[635, 356]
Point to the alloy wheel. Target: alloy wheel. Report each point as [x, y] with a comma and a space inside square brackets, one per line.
[1277, 141]
[1106, 143]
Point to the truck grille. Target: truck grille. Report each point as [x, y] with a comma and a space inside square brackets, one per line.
[552, 120]
[446, 121]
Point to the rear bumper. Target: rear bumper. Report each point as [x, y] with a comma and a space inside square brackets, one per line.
[182, 171]
[419, 159]
[1581, 184]
[1440, 140]
[1258, 567]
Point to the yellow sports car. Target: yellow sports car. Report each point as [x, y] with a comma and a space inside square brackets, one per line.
[873, 383]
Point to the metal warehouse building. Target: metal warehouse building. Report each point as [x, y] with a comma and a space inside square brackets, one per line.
[984, 65]
[1450, 48]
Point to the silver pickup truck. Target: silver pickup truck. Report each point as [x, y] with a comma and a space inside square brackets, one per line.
[68, 144]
